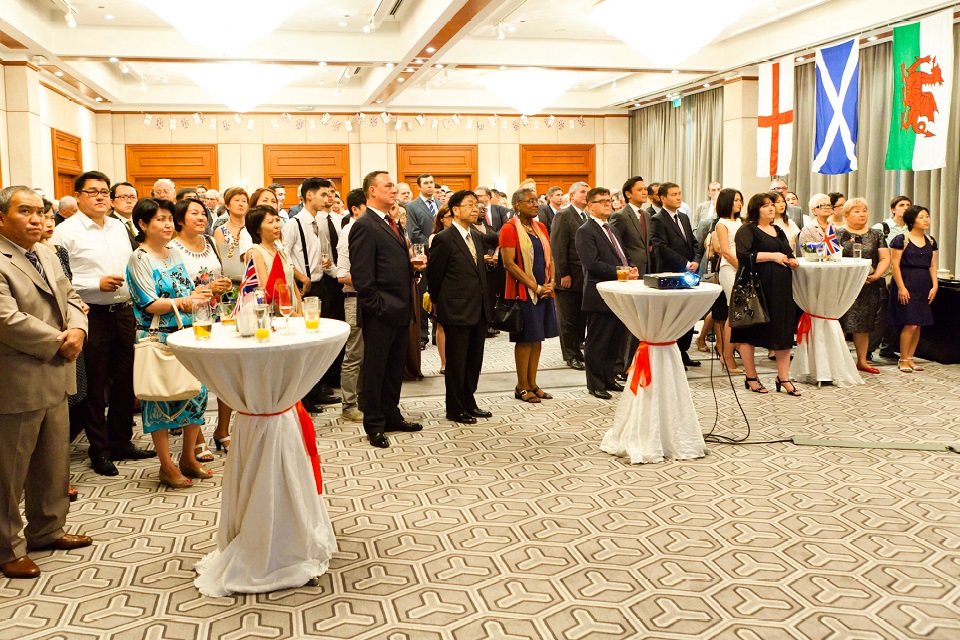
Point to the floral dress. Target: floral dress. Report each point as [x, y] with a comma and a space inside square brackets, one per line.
[202, 268]
[151, 279]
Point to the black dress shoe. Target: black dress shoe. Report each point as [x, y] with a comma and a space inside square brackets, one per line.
[378, 440]
[621, 377]
[464, 418]
[480, 413]
[690, 362]
[312, 407]
[600, 393]
[615, 387]
[327, 398]
[406, 426]
[573, 363]
[492, 333]
[131, 452]
[103, 466]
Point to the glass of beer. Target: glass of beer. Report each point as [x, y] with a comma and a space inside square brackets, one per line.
[263, 323]
[623, 274]
[419, 255]
[226, 314]
[202, 320]
[311, 314]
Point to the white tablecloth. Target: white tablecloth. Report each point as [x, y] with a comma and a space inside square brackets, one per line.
[274, 529]
[827, 289]
[659, 421]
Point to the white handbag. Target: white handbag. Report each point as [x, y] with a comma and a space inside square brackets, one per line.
[157, 374]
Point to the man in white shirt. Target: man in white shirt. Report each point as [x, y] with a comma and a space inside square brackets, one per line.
[123, 196]
[99, 250]
[281, 196]
[353, 350]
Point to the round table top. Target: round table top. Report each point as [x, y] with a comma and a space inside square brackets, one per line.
[844, 263]
[657, 315]
[638, 288]
[227, 338]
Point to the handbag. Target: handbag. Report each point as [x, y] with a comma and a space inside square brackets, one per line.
[157, 374]
[747, 304]
[508, 316]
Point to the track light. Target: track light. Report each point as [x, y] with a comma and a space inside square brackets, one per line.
[143, 85]
[613, 87]
[124, 68]
[70, 18]
[501, 34]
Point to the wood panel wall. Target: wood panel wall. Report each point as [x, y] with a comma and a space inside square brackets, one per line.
[558, 164]
[454, 165]
[290, 164]
[188, 165]
[67, 162]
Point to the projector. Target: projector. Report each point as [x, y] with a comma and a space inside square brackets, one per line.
[685, 280]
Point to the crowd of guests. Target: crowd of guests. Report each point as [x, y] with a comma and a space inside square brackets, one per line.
[86, 280]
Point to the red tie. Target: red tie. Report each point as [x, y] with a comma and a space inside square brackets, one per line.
[393, 225]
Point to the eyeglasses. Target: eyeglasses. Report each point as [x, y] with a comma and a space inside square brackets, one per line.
[530, 201]
[125, 197]
[823, 206]
[602, 202]
[93, 193]
[838, 206]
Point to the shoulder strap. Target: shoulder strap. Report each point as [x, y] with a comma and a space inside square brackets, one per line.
[303, 246]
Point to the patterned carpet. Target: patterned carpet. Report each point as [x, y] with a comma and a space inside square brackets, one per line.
[519, 527]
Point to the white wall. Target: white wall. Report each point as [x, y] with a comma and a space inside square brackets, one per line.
[57, 112]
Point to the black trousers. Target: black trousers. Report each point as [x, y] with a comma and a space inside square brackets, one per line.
[605, 334]
[386, 347]
[625, 358]
[573, 323]
[684, 342]
[331, 306]
[424, 317]
[464, 361]
[109, 361]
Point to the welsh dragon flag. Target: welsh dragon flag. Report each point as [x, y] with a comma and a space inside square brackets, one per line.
[922, 73]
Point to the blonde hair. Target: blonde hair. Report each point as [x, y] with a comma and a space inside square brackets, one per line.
[854, 202]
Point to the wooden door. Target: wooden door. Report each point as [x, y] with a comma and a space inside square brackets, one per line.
[291, 164]
[454, 165]
[188, 165]
[558, 165]
[67, 162]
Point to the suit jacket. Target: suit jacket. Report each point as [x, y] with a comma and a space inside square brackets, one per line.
[600, 262]
[671, 250]
[545, 215]
[563, 246]
[458, 283]
[419, 221]
[133, 237]
[635, 244]
[499, 214]
[795, 214]
[32, 313]
[381, 270]
[702, 211]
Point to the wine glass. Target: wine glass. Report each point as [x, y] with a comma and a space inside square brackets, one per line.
[281, 293]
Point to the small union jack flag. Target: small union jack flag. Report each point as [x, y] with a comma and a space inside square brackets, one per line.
[831, 244]
[249, 284]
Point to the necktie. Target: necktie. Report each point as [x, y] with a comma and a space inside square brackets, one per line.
[616, 245]
[133, 232]
[433, 208]
[332, 230]
[676, 219]
[643, 224]
[393, 225]
[35, 261]
[486, 215]
[473, 250]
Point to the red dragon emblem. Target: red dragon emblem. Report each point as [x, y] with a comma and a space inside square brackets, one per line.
[918, 103]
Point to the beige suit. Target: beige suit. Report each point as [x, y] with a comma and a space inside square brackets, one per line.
[34, 423]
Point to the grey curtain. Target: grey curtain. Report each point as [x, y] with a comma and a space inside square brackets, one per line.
[937, 189]
[682, 145]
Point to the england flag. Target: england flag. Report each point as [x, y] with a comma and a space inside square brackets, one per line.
[838, 74]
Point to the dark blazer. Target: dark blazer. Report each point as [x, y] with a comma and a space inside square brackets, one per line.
[600, 262]
[671, 250]
[563, 247]
[133, 238]
[381, 270]
[499, 214]
[458, 283]
[545, 214]
[419, 221]
[635, 244]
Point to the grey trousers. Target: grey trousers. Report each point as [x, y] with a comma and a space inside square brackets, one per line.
[352, 358]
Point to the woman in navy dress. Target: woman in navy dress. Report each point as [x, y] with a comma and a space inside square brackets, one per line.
[914, 283]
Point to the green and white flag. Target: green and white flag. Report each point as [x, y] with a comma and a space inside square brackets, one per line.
[922, 73]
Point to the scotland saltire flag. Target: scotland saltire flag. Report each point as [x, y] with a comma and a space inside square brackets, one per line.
[838, 75]
[831, 244]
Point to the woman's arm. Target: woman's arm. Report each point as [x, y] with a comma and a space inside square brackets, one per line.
[509, 255]
[882, 265]
[902, 294]
[934, 279]
[723, 239]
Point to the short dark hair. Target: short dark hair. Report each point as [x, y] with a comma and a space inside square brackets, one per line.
[629, 185]
[113, 188]
[254, 221]
[89, 175]
[652, 188]
[180, 211]
[725, 200]
[371, 178]
[455, 199]
[518, 196]
[275, 186]
[897, 200]
[665, 187]
[597, 191]
[47, 206]
[182, 193]
[553, 190]
[145, 210]
[910, 215]
[758, 201]
[834, 196]
[420, 179]
[314, 185]
[259, 192]
[355, 198]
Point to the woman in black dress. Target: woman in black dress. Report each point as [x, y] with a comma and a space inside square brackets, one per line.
[766, 243]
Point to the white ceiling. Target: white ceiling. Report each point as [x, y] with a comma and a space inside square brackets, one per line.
[539, 33]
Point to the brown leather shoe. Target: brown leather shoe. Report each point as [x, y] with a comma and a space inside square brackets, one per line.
[67, 542]
[22, 567]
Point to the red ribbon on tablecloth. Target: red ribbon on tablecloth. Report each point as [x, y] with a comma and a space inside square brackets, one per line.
[309, 438]
[804, 325]
[642, 375]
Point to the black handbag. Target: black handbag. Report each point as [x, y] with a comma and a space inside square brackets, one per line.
[508, 317]
[747, 304]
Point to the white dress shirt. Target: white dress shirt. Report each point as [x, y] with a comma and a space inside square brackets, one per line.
[95, 252]
[615, 241]
[295, 248]
[467, 240]
[343, 255]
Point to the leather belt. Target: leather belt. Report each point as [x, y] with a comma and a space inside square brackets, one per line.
[109, 308]
[350, 294]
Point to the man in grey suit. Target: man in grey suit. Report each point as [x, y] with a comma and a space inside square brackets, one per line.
[708, 207]
[421, 212]
[495, 214]
[42, 330]
[569, 277]
[549, 210]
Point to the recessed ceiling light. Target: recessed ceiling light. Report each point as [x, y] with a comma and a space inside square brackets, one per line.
[401, 79]
[511, 28]
[342, 23]
[98, 99]
[799, 58]
[108, 17]
[389, 65]
[418, 61]
[379, 101]
[706, 85]
[431, 49]
[636, 104]
[438, 66]
[503, 67]
[872, 39]
[408, 70]
[114, 59]
[675, 71]
[59, 74]
[322, 64]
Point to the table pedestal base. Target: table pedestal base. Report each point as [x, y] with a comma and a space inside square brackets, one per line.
[824, 357]
[659, 421]
[274, 532]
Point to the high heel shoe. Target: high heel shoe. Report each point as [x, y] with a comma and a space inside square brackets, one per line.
[181, 483]
[224, 444]
[196, 472]
[525, 395]
[202, 453]
[781, 383]
[760, 388]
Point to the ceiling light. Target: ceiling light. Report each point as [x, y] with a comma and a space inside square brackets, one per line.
[529, 90]
[224, 27]
[502, 67]
[418, 61]
[706, 85]
[408, 70]
[114, 59]
[371, 25]
[124, 68]
[322, 64]
[500, 33]
[872, 39]
[366, 28]
[431, 50]
[98, 99]
[70, 18]
[342, 23]
[702, 21]
[401, 79]
[336, 91]
[438, 66]
[59, 74]
[675, 71]
[511, 28]
[389, 65]
[229, 82]
[613, 87]
[108, 17]
[799, 58]
[636, 104]
[143, 85]
[379, 101]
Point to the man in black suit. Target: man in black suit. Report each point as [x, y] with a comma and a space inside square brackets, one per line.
[123, 196]
[601, 252]
[421, 213]
[674, 247]
[549, 210]
[653, 198]
[633, 222]
[495, 215]
[458, 289]
[381, 268]
[570, 315]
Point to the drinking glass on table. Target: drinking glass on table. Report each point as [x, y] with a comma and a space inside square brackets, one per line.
[263, 323]
[202, 320]
[623, 274]
[857, 250]
[226, 308]
[281, 294]
[311, 314]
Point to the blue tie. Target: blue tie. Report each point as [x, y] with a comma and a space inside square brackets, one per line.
[35, 261]
[433, 208]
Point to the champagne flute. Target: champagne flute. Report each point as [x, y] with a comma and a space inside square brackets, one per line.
[281, 293]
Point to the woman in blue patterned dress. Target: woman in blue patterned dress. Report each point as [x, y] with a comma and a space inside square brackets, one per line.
[159, 282]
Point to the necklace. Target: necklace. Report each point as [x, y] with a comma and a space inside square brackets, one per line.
[233, 242]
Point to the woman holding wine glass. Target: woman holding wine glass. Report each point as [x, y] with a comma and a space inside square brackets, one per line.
[232, 238]
[263, 224]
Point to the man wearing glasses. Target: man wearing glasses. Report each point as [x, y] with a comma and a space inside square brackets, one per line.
[123, 196]
[99, 249]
